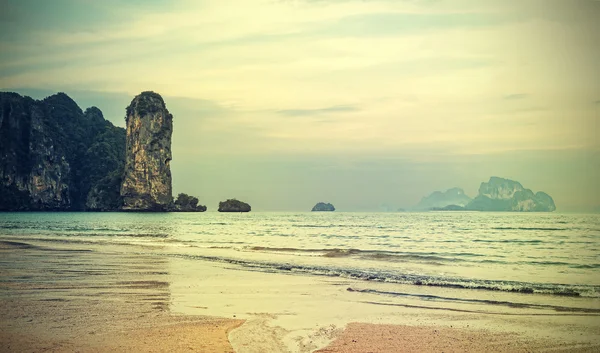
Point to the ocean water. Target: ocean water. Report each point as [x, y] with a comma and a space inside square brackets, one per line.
[541, 255]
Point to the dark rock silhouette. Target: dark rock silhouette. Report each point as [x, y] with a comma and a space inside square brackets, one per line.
[233, 205]
[186, 203]
[323, 207]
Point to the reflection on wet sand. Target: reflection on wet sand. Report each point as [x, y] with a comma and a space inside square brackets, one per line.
[93, 299]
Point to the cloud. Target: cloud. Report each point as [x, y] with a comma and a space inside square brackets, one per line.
[230, 77]
[396, 23]
[516, 96]
[311, 112]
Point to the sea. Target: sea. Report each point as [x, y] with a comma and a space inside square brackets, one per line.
[551, 260]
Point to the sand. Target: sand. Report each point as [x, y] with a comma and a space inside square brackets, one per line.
[124, 322]
[96, 301]
[360, 337]
[99, 300]
[207, 335]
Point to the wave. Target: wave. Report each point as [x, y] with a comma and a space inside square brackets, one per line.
[429, 257]
[528, 228]
[6, 245]
[592, 291]
[516, 241]
[588, 266]
[340, 226]
[477, 301]
[382, 255]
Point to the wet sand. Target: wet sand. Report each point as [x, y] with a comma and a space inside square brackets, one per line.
[160, 335]
[99, 298]
[75, 300]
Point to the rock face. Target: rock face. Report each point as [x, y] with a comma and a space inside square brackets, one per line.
[147, 178]
[233, 205]
[55, 157]
[500, 194]
[323, 207]
[186, 203]
[439, 200]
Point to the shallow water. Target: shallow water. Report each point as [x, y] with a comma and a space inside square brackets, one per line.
[549, 256]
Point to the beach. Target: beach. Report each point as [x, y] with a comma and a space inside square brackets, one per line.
[106, 293]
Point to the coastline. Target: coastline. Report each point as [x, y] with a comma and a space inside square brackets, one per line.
[109, 293]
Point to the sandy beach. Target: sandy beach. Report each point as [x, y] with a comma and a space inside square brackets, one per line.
[359, 337]
[66, 299]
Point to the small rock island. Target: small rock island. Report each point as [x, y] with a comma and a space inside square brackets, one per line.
[323, 207]
[187, 203]
[233, 205]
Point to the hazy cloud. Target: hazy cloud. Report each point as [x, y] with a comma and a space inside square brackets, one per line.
[309, 112]
[516, 96]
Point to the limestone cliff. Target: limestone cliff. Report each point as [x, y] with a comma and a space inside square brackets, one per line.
[147, 179]
[53, 154]
[500, 194]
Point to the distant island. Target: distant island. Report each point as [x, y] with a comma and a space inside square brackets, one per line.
[233, 205]
[56, 157]
[496, 195]
[323, 207]
[438, 200]
[500, 194]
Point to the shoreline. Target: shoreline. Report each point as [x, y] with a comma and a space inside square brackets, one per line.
[98, 297]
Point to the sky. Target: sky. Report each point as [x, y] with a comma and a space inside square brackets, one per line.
[367, 104]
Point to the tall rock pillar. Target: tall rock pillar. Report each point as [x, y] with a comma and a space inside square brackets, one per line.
[147, 179]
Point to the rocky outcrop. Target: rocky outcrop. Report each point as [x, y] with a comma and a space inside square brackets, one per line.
[53, 155]
[146, 182]
[500, 194]
[439, 200]
[186, 203]
[233, 205]
[323, 207]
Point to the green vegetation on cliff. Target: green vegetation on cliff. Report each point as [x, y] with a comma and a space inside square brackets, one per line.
[57, 157]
